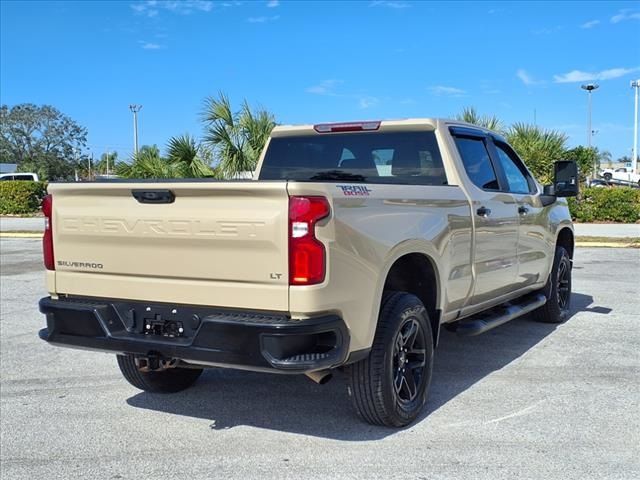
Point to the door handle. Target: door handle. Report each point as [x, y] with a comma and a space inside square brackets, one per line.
[523, 210]
[153, 196]
[484, 212]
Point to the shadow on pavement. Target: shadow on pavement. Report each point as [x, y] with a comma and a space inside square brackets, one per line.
[229, 398]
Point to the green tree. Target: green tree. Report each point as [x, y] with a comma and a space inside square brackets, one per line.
[236, 138]
[585, 158]
[185, 159]
[471, 115]
[538, 148]
[191, 158]
[106, 164]
[148, 163]
[41, 139]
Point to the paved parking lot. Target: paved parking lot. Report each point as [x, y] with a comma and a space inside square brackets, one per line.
[523, 401]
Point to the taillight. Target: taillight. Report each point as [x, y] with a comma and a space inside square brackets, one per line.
[307, 257]
[47, 239]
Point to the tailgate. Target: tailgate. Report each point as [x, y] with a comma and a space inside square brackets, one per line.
[218, 243]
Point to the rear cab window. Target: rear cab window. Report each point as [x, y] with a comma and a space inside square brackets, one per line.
[409, 158]
[477, 163]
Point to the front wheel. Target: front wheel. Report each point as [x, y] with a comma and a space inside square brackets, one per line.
[556, 310]
[390, 386]
[166, 381]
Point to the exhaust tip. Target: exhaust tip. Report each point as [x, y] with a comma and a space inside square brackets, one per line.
[320, 377]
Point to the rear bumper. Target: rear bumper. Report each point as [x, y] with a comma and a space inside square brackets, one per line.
[198, 335]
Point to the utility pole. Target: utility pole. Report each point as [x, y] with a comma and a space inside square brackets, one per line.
[135, 109]
[107, 162]
[590, 87]
[634, 160]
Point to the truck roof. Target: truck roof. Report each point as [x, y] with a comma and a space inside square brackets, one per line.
[380, 125]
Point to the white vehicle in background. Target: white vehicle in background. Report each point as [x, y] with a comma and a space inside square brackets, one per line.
[32, 177]
[622, 174]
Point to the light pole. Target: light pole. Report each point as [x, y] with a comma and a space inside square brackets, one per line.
[135, 109]
[590, 87]
[634, 160]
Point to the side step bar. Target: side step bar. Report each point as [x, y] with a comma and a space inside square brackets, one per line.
[499, 315]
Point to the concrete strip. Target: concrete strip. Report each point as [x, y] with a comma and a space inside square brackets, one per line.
[619, 230]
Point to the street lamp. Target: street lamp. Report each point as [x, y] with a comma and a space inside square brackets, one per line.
[135, 109]
[590, 87]
[634, 165]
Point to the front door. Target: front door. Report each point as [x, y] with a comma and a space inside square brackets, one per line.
[495, 216]
[534, 260]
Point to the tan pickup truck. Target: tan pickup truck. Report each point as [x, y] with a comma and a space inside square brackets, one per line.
[349, 249]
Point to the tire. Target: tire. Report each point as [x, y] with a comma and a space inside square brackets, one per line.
[556, 310]
[607, 177]
[167, 381]
[383, 393]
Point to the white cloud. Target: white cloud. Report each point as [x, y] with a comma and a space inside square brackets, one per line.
[326, 87]
[273, 3]
[151, 8]
[526, 78]
[624, 15]
[263, 19]
[590, 24]
[366, 102]
[398, 5]
[575, 76]
[444, 91]
[149, 45]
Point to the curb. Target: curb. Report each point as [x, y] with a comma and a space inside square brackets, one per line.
[606, 244]
[20, 234]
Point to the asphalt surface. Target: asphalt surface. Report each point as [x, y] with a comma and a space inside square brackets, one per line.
[616, 230]
[526, 401]
[19, 224]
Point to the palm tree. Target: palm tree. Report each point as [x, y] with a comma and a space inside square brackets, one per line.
[148, 164]
[191, 159]
[539, 148]
[185, 159]
[236, 138]
[471, 115]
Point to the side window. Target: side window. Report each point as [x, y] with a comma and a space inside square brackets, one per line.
[517, 177]
[477, 163]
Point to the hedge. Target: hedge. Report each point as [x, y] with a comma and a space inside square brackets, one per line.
[20, 197]
[620, 204]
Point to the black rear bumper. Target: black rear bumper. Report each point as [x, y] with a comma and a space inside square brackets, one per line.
[198, 335]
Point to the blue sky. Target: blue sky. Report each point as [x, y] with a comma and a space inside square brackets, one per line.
[310, 62]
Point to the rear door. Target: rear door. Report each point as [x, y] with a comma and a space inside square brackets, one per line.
[495, 219]
[217, 243]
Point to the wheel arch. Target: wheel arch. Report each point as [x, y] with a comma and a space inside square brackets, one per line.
[416, 273]
[565, 238]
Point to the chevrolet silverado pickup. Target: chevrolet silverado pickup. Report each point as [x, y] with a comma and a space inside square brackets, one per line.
[348, 250]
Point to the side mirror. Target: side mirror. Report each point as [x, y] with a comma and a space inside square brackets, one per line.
[566, 179]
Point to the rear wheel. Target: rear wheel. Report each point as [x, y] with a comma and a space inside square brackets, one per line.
[607, 177]
[390, 386]
[556, 310]
[166, 381]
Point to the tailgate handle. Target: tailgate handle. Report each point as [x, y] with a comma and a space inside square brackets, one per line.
[153, 196]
